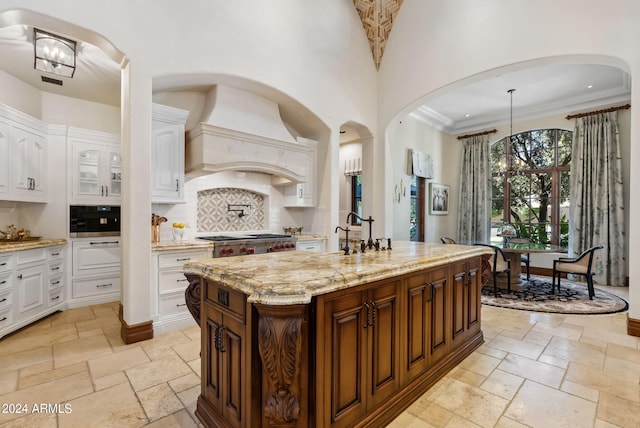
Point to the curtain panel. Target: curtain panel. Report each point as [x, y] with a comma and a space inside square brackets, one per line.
[597, 209]
[474, 217]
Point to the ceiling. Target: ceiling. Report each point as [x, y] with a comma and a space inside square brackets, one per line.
[540, 90]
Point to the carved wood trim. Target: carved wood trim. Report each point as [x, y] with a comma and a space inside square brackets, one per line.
[136, 332]
[633, 326]
[280, 344]
[485, 269]
[192, 296]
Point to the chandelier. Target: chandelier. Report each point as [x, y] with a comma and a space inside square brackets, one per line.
[54, 54]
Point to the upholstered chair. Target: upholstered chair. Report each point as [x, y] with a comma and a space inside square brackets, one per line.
[446, 240]
[581, 265]
[499, 264]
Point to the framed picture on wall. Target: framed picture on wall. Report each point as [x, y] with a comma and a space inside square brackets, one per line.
[439, 195]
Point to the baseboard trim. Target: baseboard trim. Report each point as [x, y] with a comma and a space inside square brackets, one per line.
[136, 332]
[633, 327]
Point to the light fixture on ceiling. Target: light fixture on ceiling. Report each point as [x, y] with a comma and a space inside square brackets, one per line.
[511, 91]
[54, 54]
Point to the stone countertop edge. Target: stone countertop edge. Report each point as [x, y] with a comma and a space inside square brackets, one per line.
[195, 244]
[311, 237]
[271, 280]
[28, 245]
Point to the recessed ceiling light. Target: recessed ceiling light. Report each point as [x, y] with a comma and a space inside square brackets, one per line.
[589, 86]
[466, 115]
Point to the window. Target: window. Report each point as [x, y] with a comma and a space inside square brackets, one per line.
[530, 176]
[416, 219]
[356, 198]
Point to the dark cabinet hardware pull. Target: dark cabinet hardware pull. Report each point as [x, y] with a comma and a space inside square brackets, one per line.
[55, 283]
[3, 282]
[55, 268]
[3, 319]
[3, 300]
[55, 298]
[221, 339]
[183, 304]
[3, 264]
[184, 259]
[374, 311]
[104, 243]
[106, 190]
[366, 321]
[216, 345]
[55, 254]
[20, 276]
[103, 285]
[182, 280]
[177, 185]
[430, 292]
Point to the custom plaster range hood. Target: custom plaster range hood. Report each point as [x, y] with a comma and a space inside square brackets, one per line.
[243, 131]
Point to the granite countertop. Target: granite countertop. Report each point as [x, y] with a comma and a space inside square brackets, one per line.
[194, 244]
[297, 276]
[310, 237]
[7, 246]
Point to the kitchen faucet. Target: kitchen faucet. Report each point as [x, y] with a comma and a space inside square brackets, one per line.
[346, 236]
[369, 220]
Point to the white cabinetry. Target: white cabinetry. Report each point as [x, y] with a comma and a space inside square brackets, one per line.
[303, 194]
[96, 167]
[167, 154]
[23, 157]
[95, 271]
[31, 286]
[316, 245]
[169, 287]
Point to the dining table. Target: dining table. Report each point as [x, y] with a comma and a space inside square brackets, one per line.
[513, 251]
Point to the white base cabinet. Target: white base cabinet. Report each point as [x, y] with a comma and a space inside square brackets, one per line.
[31, 286]
[95, 268]
[169, 287]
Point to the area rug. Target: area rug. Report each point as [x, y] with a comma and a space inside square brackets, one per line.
[573, 298]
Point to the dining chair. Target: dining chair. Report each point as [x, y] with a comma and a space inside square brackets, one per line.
[524, 257]
[499, 264]
[446, 240]
[581, 265]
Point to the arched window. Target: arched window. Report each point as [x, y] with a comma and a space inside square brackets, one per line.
[530, 177]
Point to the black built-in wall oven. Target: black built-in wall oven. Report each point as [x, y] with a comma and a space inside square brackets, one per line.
[94, 220]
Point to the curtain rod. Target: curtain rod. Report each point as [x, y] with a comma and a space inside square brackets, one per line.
[477, 134]
[606, 110]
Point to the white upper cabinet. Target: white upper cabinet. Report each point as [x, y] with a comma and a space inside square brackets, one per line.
[96, 167]
[23, 157]
[167, 150]
[304, 194]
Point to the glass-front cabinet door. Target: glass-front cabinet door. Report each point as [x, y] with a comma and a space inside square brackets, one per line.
[88, 172]
[115, 174]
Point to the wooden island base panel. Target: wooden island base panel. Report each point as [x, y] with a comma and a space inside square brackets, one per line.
[328, 340]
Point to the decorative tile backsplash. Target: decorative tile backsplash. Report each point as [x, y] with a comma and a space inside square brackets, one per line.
[214, 214]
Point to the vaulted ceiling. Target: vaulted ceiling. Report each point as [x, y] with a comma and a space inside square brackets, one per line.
[377, 18]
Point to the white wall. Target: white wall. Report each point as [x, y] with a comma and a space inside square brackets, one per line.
[445, 150]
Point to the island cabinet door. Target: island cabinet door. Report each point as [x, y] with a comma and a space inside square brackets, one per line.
[426, 321]
[361, 341]
[466, 286]
[222, 366]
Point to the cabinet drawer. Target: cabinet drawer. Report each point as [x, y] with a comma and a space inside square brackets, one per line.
[28, 256]
[6, 318]
[171, 282]
[5, 299]
[96, 286]
[93, 257]
[56, 297]
[56, 282]
[55, 253]
[176, 260]
[56, 268]
[6, 263]
[5, 280]
[313, 245]
[172, 304]
[222, 296]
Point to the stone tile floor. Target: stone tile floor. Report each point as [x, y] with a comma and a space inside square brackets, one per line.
[535, 369]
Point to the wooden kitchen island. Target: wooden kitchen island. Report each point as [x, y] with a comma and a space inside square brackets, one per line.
[301, 339]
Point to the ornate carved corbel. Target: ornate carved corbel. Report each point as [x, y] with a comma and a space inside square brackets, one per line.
[192, 296]
[280, 344]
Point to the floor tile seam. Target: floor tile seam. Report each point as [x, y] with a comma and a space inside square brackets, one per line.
[56, 379]
[564, 369]
[601, 391]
